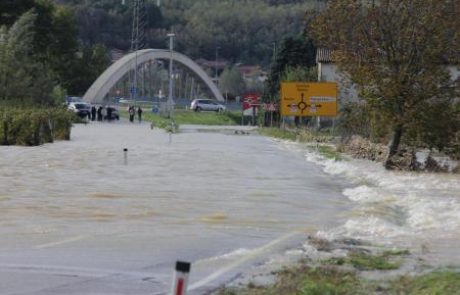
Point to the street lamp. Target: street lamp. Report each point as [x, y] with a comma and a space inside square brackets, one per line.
[170, 102]
[215, 65]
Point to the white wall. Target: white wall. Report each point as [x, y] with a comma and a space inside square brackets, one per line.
[454, 72]
[347, 90]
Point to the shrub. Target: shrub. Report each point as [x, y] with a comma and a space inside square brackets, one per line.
[34, 125]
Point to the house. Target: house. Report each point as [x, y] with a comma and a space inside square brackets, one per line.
[210, 66]
[329, 72]
[252, 74]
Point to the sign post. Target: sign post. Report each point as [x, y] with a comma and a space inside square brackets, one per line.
[308, 99]
[181, 278]
[251, 104]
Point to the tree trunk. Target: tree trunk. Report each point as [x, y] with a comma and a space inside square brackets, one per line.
[396, 140]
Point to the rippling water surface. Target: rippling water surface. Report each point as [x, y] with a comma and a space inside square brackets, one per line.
[75, 218]
[74, 208]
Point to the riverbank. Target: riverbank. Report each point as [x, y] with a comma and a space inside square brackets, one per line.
[396, 208]
[408, 159]
[351, 267]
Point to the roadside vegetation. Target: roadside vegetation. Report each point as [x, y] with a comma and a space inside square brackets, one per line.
[39, 61]
[181, 117]
[345, 276]
[299, 134]
[32, 126]
[318, 140]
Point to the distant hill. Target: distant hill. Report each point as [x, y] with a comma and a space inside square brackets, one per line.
[244, 31]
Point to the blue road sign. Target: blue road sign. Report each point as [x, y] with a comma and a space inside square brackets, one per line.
[133, 90]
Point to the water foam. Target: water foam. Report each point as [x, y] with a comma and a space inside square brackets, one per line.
[364, 193]
[391, 205]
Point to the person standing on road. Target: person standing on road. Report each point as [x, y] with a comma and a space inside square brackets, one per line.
[104, 113]
[93, 113]
[139, 114]
[99, 113]
[131, 112]
[109, 113]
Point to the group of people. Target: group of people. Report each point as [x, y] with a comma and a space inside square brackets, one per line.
[109, 113]
[132, 113]
[100, 113]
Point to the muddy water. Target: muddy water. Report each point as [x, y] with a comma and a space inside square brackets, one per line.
[75, 209]
[76, 218]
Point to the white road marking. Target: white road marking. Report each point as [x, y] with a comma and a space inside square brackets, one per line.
[66, 241]
[250, 255]
[60, 270]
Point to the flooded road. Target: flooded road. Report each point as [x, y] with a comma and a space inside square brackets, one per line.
[76, 219]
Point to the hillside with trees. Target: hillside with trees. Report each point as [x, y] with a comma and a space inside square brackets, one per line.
[243, 31]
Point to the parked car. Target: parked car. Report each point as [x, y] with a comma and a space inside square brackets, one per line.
[113, 114]
[70, 99]
[82, 109]
[206, 105]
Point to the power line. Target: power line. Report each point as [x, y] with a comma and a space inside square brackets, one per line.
[137, 41]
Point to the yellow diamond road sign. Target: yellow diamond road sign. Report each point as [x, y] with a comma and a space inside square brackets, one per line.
[308, 99]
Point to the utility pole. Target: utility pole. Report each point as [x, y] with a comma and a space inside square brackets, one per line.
[137, 40]
[215, 66]
[170, 102]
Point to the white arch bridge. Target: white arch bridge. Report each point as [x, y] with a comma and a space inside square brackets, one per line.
[101, 87]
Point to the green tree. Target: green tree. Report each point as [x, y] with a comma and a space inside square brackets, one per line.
[87, 68]
[244, 30]
[231, 82]
[299, 73]
[22, 77]
[55, 45]
[295, 52]
[61, 51]
[11, 10]
[395, 51]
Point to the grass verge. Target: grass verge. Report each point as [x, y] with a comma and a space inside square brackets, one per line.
[190, 117]
[335, 279]
[279, 133]
[304, 280]
[435, 283]
[364, 261]
[329, 152]
[305, 135]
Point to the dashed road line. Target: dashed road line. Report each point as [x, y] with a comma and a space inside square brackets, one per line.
[57, 243]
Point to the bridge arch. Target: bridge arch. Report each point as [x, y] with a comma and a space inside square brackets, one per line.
[117, 70]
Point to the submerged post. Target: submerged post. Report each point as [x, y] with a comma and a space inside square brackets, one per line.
[181, 278]
[125, 152]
